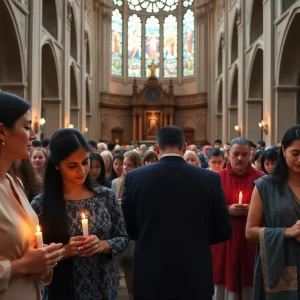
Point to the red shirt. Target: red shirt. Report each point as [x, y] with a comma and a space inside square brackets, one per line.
[233, 260]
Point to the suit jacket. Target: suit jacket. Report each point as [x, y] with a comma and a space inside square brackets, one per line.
[174, 211]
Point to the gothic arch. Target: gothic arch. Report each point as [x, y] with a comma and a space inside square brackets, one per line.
[88, 54]
[289, 59]
[256, 27]
[74, 46]
[220, 55]
[73, 87]
[234, 87]
[11, 56]
[286, 4]
[50, 20]
[255, 77]
[234, 38]
[50, 81]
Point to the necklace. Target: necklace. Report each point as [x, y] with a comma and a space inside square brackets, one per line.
[297, 185]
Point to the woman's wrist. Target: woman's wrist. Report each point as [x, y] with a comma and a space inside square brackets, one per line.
[287, 233]
[18, 267]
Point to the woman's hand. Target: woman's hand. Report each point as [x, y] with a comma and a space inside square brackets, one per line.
[237, 210]
[41, 260]
[72, 248]
[92, 245]
[293, 232]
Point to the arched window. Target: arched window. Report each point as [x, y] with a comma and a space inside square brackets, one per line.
[286, 4]
[134, 46]
[152, 44]
[170, 46]
[188, 43]
[151, 36]
[116, 41]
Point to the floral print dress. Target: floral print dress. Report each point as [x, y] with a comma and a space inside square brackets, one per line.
[94, 278]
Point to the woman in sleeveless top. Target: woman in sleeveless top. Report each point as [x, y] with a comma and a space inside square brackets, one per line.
[274, 221]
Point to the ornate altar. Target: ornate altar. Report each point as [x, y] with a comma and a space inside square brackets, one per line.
[153, 108]
[138, 117]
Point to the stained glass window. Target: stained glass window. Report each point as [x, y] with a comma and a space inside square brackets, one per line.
[118, 2]
[152, 6]
[188, 43]
[152, 44]
[134, 46]
[170, 47]
[116, 42]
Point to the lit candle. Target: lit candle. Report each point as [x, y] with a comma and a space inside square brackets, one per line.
[240, 198]
[85, 225]
[39, 237]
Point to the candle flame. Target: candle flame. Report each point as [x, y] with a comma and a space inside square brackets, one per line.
[38, 228]
[83, 216]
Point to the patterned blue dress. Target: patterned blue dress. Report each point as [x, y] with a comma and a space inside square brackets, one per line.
[94, 278]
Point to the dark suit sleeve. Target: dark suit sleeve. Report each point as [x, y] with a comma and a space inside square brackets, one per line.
[220, 226]
[128, 209]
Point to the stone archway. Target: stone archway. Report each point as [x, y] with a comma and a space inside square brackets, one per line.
[74, 120]
[256, 28]
[234, 43]
[254, 102]
[74, 52]
[288, 79]
[220, 111]
[11, 66]
[51, 105]
[50, 21]
[233, 106]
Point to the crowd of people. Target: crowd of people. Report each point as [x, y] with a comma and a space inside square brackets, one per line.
[216, 221]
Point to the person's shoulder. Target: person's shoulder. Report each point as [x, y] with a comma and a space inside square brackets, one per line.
[258, 173]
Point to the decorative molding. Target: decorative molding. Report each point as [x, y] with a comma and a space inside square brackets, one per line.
[106, 15]
[222, 40]
[69, 11]
[86, 38]
[238, 15]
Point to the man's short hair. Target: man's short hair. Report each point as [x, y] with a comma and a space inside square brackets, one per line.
[239, 141]
[218, 141]
[170, 136]
[36, 144]
[252, 145]
[93, 144]
[111, 146]
[45, 143]
[262, 143]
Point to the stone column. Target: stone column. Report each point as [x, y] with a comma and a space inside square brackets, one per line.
[171, 119]
[66, 64]
[140, 127]
[269, 104]
[83, 49]
[134, 127]
[34, 66]
[241, 116]
[225, 43]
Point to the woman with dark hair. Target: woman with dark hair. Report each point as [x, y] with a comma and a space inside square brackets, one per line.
[275, 203]
[216, 160]
[117, 164]
[269, 160]
[22, 265]
[150, 157]
[87, 270]
[33, 184]
[257, 160]
[97, 170]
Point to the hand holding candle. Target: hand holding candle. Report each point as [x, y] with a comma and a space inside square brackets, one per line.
[240, 198]
[85, 225]
[39, 237]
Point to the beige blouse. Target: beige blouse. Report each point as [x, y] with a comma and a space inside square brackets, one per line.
[17, 230]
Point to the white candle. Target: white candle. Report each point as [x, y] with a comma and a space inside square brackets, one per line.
[240, 198]
[39, 237]
[85, 225]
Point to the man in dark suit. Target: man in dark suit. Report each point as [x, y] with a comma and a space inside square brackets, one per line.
[174, 211]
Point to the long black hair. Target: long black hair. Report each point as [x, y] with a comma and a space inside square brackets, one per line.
[96, 156]
[54, 221]
[280, 174]
[13, 108]
[269, 154]
[119, 157]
